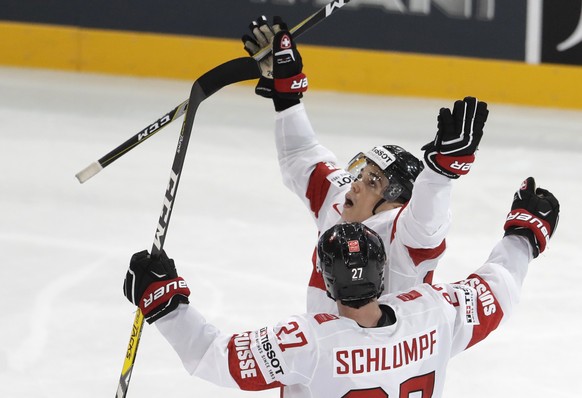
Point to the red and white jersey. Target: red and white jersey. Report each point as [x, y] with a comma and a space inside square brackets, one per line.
[324, 355]
[413, 235]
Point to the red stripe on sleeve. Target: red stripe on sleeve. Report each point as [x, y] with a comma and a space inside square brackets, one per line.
[316, 279]
[420, 255]
[243, 366]
[393, 232]
[488, 309]
[318, 186]
[428, 277]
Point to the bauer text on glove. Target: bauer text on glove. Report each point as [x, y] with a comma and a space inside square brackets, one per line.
[534, 214]
[459, 133]
[152, 283]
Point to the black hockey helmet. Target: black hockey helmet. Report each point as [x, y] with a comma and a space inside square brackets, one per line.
[351, 259]
[399, 166]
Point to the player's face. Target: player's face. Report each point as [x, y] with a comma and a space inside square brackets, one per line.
[366, 191]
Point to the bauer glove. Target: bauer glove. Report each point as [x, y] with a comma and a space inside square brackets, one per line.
[534, 214]
[154, 285]
[452, 152]
[281, 71]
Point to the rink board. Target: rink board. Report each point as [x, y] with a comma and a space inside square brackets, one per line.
[342, 69]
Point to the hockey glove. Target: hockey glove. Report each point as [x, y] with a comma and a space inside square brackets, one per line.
[261, 35]
[154, 285]
[290, 82]
[282, 78]
[453, 150]
[534, 214]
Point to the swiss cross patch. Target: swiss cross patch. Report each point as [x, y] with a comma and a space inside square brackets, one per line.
[285, 41]
[353, 246]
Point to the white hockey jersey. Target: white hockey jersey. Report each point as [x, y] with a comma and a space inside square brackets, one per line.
[413, 235]
[323, 355]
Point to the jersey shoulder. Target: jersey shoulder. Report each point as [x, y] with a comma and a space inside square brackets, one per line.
[382, 223]
[421, 298]
[319, 326]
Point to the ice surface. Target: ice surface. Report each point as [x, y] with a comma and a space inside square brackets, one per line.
[239, 237]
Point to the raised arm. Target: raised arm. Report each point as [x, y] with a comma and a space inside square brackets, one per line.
[418, 235]
[308, 169]
[252, 360]
[426, 220]
[489, 295]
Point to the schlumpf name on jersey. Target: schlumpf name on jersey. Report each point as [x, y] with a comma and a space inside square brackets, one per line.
[362, 360]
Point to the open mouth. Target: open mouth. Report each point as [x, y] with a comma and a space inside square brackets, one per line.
[348, 203]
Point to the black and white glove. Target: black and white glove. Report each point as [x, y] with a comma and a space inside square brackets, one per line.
[534, 214]
[154, 286]
[453, 150]
[261, 36]
[281, 71]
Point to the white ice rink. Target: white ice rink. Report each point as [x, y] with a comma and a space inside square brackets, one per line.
[239, 237]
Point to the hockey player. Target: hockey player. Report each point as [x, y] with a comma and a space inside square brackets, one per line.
[378, 346]
[378, 188]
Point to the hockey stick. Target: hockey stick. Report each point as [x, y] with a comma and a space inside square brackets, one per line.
[233, 71]
[178, 111]
[137, 139]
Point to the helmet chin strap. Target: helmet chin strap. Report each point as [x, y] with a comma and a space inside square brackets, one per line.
[378, 204]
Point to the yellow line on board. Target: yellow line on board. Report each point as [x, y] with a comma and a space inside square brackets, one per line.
[340, 69]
